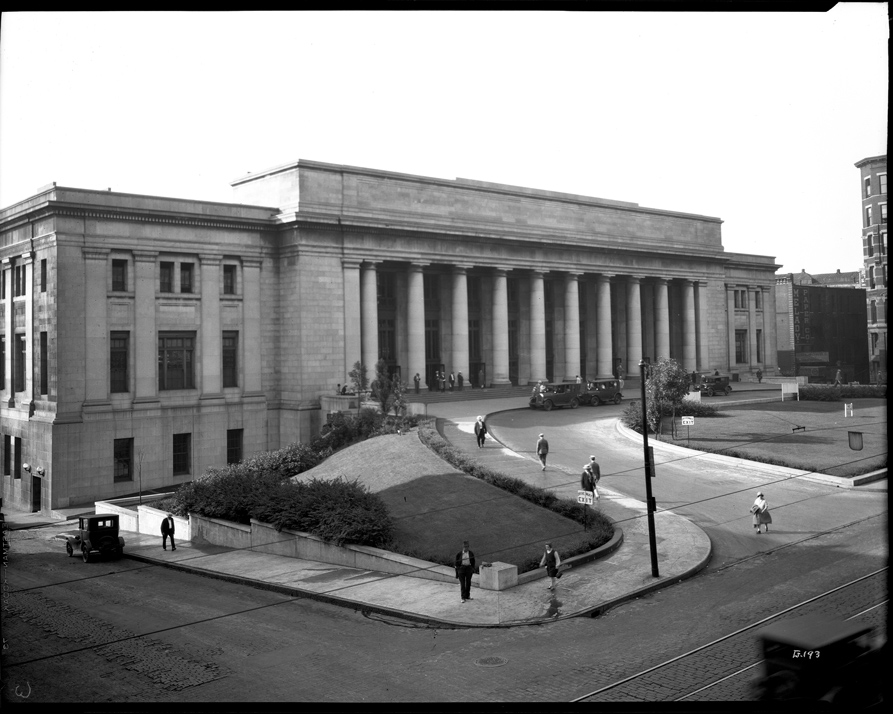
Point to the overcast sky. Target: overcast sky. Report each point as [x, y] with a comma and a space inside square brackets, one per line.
[755, 118]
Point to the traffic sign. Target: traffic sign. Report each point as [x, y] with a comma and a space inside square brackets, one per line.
[584, 497]
[688, 421]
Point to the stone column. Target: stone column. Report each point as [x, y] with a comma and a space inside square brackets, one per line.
[703, 334]
[571, 326]
[9, 332]
[730, 301]
[352, 320]
[251, 312]
[633, 324]
[211, 336]
[369, 317]
[752, 327]
[603, 327]
[416, 327]
[500, 372]
[618, 302]
[96, 348]
[460, 322]
[662, 319]
[770, 346]
[647, 291]
[591, 330]
[145, 336]
[689, 335]
[537, 328]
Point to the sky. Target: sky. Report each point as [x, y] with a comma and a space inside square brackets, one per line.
[756, 118]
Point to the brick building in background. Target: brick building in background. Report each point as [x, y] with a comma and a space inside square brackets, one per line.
[873, 187]
[145, 339]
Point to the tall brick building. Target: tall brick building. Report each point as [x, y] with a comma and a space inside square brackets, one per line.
[873, 175]
[145, 339]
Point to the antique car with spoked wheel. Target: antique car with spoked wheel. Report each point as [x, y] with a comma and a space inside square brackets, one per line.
[95, 535]
[602, 391]
[712, 385]
[564, 394]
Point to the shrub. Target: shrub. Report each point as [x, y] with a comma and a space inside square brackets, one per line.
[830, 393]
[632, 415]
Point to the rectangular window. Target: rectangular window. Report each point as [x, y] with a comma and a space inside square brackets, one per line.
[123, 460]
[18, 359]
[166, 278]
[387, 339]
[7, 454]
[758, 298]
[2, 284]
[229, 279]
[474, 340]
[233, 446]
[186, 277]
[882, 179]
[759, 345]
[230, 361]
[17, 473]
[868, 216]
[2, 363]
[176, 352]
[432, 339]
[119, 356]
[867, 186]
[883, 213]
[882, 244]
[20, 275]
[870, 241]
[119, 275]
[740, 346]
[43, 275]
[44, 365]
[182, 444]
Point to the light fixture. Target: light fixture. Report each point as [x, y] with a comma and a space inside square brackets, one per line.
[41, 471]
[27, 467]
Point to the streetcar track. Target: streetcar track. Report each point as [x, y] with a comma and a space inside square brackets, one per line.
[740, 631]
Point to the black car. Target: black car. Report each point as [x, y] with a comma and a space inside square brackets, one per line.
[564, 394]
[95, 534]
[602, 391]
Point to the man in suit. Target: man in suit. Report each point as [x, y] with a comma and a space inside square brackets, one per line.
[590, 477]
[464, 570]
[167, 529]
[542, 449]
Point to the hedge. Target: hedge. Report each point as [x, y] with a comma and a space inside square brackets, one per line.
[632, 414]
[830, 393]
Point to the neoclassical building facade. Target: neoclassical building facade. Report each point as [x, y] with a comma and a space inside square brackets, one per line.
[145, 339]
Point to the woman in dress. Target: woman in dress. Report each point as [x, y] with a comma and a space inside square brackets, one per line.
[760, 511]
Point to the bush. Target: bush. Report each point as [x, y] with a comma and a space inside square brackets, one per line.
[632, 415]
[830, 393]
[534, 494]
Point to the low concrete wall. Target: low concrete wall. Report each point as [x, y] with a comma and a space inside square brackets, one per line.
[218, 532]
[150, 523]
[600, 552]
[126, 509]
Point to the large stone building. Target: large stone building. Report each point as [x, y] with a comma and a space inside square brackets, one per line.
[146, 339]
[873, 174]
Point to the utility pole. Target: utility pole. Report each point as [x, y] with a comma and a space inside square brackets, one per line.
[649, 472]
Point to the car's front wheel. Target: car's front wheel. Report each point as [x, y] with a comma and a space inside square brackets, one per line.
[710, 392]
[547, 405]
[595, 401]
[575, 403]
[727, 391]
[85, 553]
[617, 398]
[69, 549]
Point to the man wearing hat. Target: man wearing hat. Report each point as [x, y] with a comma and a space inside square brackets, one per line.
[464, 570]
[542, 449]
[760, 511]
[480, 431]
[592, 474]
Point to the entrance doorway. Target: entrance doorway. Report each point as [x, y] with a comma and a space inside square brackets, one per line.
[36, 483]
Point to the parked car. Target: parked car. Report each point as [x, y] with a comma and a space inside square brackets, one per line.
[711, 385]
[563, 394]
[602, 391]
[97, 533]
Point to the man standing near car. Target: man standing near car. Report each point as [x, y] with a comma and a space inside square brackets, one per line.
[167, 529]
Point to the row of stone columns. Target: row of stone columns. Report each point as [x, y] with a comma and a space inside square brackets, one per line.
[631, 333]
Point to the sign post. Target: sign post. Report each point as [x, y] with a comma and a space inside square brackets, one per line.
[652, 539]
[688, 421]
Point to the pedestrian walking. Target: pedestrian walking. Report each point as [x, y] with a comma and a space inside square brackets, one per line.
[542, 449]
[552, 561]
[418, 380]
[338, 388]
[167, 531]
[760, 376]
[452, 381]
[621, 373]
[579, 379]
[838, 378]
[481, 378]
[461, 380]
[592, 474]
[443, 382]
[694, 377]
[480, 431]
[760, 511]
[464, 570]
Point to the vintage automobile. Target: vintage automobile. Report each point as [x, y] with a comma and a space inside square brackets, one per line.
[602, 391]
[563, 394]
[95, 534]
[711, 384]
[816, 658]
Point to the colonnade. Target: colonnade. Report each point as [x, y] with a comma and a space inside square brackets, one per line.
[628, 330]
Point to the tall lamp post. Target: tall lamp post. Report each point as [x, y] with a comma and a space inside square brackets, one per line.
[649, 472]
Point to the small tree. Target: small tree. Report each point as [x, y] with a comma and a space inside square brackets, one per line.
[398, 401]
[665, 389]
[383, 386]
[359, 380]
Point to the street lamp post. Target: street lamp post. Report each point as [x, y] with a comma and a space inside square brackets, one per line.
[649, 471]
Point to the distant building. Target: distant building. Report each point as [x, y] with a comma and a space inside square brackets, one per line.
[146, 339]
[820, 329]
[851, 279]
[873, 174]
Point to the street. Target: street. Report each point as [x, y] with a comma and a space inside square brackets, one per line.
[122, 631]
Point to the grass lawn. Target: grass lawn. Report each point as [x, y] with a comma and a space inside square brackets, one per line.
[436, 507]
[764, 432]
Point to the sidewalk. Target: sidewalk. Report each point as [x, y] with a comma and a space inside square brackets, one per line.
[585, 590]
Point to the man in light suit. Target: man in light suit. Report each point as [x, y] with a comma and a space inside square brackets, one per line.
[167, 529]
